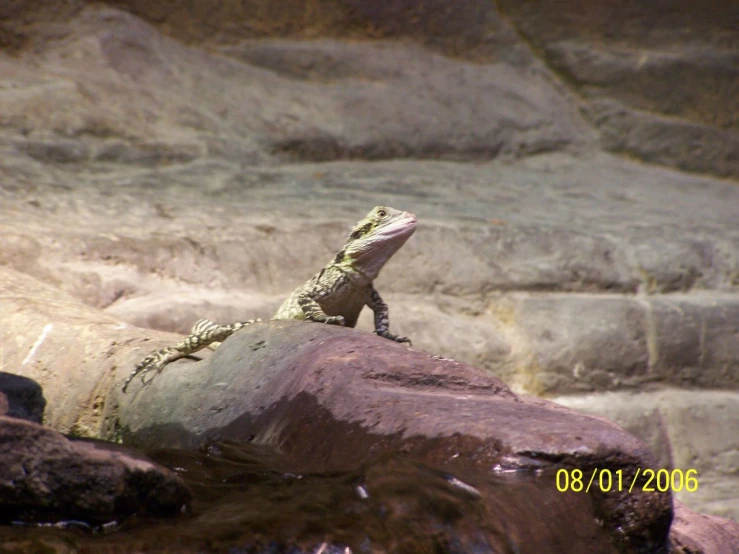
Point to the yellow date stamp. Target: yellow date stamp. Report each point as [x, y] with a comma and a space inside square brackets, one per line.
[661, 480]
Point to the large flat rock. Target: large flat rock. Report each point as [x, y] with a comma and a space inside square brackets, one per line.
[333, 398]
[165, 164]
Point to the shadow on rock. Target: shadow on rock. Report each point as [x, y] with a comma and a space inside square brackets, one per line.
[47, 477]
[24, 397]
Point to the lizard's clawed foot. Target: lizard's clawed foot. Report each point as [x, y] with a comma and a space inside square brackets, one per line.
[153, 362]
[336, 320]
[396, 338]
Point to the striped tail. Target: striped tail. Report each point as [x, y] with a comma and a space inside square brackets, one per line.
[204, 333]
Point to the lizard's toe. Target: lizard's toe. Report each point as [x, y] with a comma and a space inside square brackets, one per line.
[396, 338]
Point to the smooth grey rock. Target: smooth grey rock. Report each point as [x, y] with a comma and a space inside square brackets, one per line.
[580, 342]
[691, 82]
[659, 86]
[662, 140]
[695, 339]
[566, 343]
[142, 98]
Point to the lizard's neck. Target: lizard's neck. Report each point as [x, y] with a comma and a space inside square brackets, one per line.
[359, 274]
[373, 242]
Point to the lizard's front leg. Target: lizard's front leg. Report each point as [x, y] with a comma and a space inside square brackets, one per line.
[205, 333]
[382, 317]
[313, 311]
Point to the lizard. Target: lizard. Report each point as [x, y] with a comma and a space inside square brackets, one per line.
[336, 295]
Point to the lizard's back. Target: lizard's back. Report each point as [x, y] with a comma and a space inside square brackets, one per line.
[340, 295]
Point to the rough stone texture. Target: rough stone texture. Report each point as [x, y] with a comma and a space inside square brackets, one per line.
[692, 533]
[47, 477]
[167, 161]
[300, 387]
[386, 388]
[251, 105]
[686, 430]
[608, 342]
[69, 349]
[662, 140]
[21, 397]
[659, 82]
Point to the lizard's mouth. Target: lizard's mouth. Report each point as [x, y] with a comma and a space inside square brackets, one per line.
[402, 227]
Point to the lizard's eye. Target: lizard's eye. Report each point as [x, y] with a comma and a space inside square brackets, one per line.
[382, 214]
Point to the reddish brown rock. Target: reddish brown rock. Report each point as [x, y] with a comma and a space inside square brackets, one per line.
[694, 533]
[45, 477]
[332, 398]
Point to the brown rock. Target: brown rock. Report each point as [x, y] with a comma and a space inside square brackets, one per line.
[45, 476]
[332, 398]
[694, 533]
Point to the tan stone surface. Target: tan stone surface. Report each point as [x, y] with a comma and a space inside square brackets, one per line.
[686, 429]
[167, 161]
[75, 352]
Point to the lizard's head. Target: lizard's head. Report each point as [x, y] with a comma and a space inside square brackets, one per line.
[376, 238]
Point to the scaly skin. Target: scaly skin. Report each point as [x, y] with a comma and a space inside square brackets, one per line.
[335, 295]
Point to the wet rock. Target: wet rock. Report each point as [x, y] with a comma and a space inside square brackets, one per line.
[47, 477]
[301, 386]
[22, 397]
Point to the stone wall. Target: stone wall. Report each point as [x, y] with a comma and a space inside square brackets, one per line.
[168, 161]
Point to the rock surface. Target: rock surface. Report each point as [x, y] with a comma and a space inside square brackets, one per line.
[47, 477]
[693, 533]
[166, 162]
[658, 84]
[392, 395]
[21, 397]
[330, 398]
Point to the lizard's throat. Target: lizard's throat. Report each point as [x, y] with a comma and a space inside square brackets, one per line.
[371, 259]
